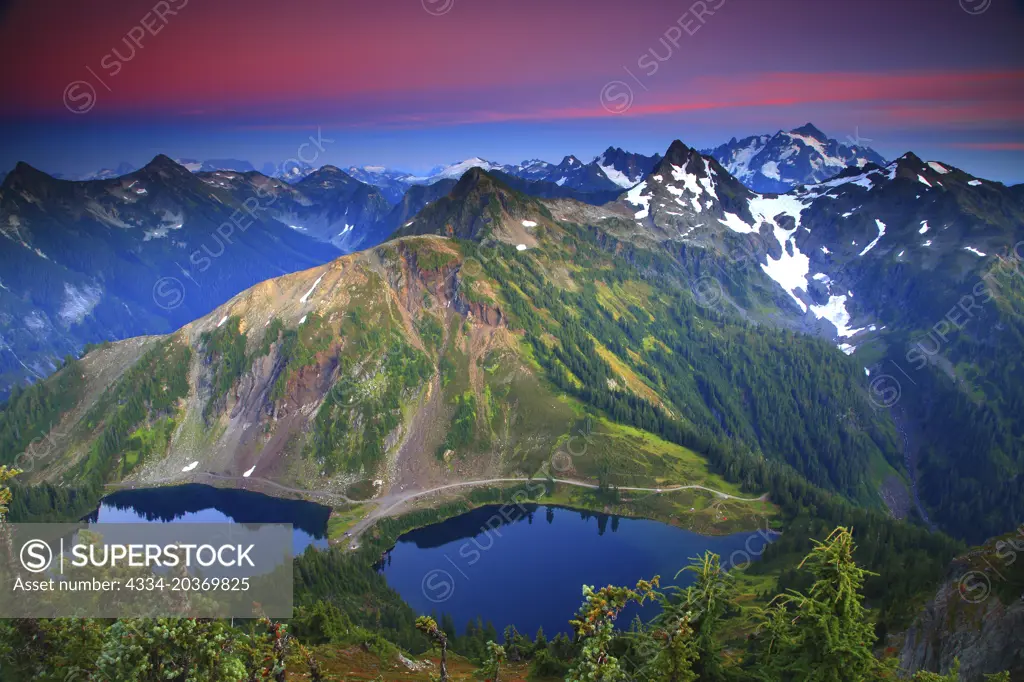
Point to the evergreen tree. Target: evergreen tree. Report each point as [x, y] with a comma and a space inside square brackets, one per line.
[706, 600]
[675, 659]
[492, 662]
[6, 474]
[179, 649]
[826, 634]
[594, 626]
[428, 627]
[540, 642]
[514, 643]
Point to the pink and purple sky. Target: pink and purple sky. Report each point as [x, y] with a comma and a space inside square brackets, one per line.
[414, 83]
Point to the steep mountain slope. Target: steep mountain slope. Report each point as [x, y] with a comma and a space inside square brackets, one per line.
[897, 264]
[780, 162]
[328, 204]
[144, 253]
[543, 189]
[412, 202]
[479, 206]
[344, 202]
[585, 177]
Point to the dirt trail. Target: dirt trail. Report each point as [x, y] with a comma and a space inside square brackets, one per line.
[389, 504]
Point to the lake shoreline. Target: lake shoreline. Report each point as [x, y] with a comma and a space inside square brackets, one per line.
[545, 550]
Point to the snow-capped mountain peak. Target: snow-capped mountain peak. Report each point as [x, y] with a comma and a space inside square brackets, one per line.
[623, 168]
[779, 162]
[454, 170]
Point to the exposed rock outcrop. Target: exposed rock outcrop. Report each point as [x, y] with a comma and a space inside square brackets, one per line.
[977, 616]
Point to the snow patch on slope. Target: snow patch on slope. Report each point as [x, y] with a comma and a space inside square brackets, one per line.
[309, 293]
[835, 312]
[881, 233]
[636, 197]
[616, 176]
[78, 303]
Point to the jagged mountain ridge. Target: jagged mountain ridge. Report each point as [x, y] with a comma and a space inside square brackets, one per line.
[812, 242]
[765, 163]
[787, 159]
[144, 253]
[611, 171]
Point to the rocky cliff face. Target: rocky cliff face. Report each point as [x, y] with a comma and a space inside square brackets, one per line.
[977, 616]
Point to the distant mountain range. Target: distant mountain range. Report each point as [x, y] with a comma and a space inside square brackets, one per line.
[764, 163]
[143, 253]
[613, 170]
[784, 160]
[328, 211]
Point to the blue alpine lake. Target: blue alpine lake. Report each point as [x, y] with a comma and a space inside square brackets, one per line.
[527, 568]
[194, 503]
